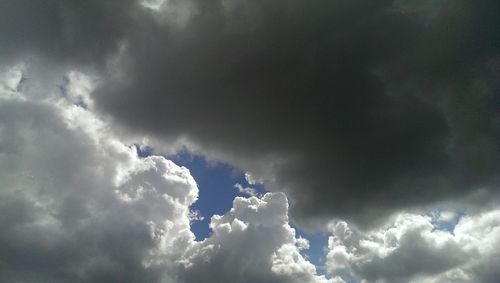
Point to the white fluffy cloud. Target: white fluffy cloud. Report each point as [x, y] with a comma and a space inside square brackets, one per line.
[252, 243]
[246, 190]
[78, 204]
[353, 119]
[412, 248]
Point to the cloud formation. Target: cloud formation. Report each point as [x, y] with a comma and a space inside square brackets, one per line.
[79, 205]
[252, 243]
[354, 108]
[357, 110]
[413, 248]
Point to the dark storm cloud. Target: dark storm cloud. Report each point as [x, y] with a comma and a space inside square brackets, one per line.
[354, 108]
[69, 32]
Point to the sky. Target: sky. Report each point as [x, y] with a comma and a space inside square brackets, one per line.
[216, 183]
[266, 141]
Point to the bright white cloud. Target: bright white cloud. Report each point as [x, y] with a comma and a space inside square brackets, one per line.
[246, 190]
[410, 248]
[252, 243]
[252, 180]
[154, 5]
[79, 205]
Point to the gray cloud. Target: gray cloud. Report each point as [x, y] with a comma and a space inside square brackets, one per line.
[354, 108]
[68, 32]
[78, 205]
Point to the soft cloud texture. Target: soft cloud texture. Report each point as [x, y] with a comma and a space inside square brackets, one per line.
[356, 109]
[252, 243]
[411, 248]
[246, 190]
[79, 205]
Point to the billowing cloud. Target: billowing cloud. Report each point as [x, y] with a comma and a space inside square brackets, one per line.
[252, 243]
[413, 248]
[354, 108]
[79, 205]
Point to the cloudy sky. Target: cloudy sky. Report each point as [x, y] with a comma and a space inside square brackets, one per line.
[249, 141]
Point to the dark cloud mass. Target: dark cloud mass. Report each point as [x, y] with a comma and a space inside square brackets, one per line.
[376, 121]
[69, 32]
[354, 108]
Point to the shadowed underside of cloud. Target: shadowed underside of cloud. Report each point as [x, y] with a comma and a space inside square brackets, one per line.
[354, 108]
[79, 205]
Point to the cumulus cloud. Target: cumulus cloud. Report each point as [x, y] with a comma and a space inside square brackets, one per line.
[354, 108]
[253, 242]
[411, 248]
[79, 205]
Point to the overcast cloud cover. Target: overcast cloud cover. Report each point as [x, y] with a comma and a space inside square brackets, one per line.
[359, 116]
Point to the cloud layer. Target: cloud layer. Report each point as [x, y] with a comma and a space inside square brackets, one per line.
[349, 106]
[359, 113]
[79, 205]
[354, 108]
